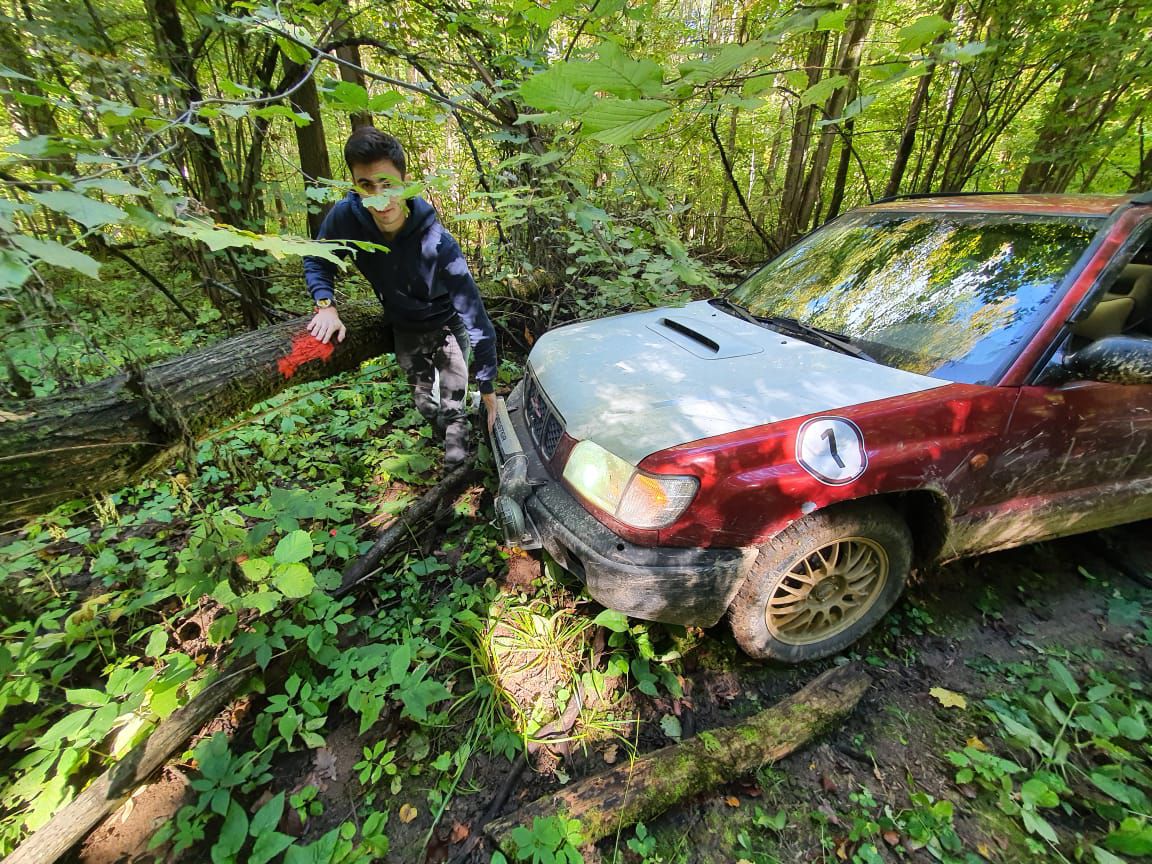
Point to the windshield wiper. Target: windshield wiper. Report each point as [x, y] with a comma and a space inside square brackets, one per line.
[832, 340]
[783, 322]
[735, 308]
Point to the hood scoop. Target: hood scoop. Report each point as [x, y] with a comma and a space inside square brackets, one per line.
[702, 339]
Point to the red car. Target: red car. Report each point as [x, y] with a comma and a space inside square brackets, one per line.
[919, 380]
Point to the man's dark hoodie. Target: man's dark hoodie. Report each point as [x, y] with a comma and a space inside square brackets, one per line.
[423, 280]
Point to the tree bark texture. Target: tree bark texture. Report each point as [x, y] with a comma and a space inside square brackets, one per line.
[310, 140]
[99, 436]
[656, 781]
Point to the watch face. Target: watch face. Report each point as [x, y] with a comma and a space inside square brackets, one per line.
[323, 304]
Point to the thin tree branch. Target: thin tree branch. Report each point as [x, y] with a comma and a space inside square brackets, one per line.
[768, 241]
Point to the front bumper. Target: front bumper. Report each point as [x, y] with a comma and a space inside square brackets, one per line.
[689, 586]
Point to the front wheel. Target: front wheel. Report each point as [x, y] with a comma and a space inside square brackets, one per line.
[822, 583]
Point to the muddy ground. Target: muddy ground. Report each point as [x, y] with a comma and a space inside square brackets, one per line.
[954, 629]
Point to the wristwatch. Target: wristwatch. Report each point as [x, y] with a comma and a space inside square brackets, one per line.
[324, 303]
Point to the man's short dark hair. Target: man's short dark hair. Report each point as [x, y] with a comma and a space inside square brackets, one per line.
[368, 144]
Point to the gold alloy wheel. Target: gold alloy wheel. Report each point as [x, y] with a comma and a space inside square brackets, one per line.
[827, 591]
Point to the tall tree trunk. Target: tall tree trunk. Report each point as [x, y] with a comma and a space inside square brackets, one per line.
[792, 191]
[310, 140]
[211, 178]
[912, 120]
[837, 200]
[1096, 71]
[354, 75]
[848, 64]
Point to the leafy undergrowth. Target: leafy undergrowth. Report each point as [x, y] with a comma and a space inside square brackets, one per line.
[1008, 721]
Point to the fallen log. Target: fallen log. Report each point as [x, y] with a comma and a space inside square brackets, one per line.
[98, 801]
[655, 781]
[98, 437]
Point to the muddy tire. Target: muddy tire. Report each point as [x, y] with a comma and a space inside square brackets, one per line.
[822, 583]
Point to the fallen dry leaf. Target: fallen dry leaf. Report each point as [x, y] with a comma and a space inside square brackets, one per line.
[947, 698]
[460, 833]
[325, 761]
[611, 754]
[827, 783]
[891, 838]
[976, 744]
[407, 813]
[732, 801]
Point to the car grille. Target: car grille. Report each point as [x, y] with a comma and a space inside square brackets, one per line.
[543, 422]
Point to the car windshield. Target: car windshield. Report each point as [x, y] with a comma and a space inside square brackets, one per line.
[953, 296]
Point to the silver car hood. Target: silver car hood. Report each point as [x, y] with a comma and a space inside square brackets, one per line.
[646, 381]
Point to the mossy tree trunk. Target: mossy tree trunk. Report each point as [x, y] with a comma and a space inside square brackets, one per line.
[655, 781]
[98, 437]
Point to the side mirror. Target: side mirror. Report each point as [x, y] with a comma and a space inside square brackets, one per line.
[1113, 360]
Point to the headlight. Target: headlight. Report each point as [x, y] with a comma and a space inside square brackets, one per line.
[634, 497]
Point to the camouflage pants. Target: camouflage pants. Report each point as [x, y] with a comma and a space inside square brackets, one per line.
[442, 352]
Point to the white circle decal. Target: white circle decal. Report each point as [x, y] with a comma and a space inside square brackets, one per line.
[831, 449]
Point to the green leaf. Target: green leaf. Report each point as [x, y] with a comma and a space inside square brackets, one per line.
[962, 54]
[218, 237]
[1132, 728]
[821, 90]
[256, 569]
[386, 101]
[157, 643]
[850, 110]
[418, 699]
[295, 53]
[1122, 792]
[836, 20]
[13, 270]
[1063, 676]
[620, 121]
[294, 547]
[1039, 825]
[670, 724]
[262, 601]
[269, 112]
[615, 621]
[232, 835]
[551, 91]
[1133, 837]
[293, 580]
[1103, 857]
[87, 211]
[922, 31]
[110, 186]
[1035, 793]
[268, 816]
[350, 96]
[618, 74]
[399, 662]
[268, 846]
[51, 252]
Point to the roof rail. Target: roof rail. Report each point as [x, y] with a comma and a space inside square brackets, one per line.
[1143, 198]
[911, 196]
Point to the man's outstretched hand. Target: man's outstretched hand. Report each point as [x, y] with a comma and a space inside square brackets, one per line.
[325, 324]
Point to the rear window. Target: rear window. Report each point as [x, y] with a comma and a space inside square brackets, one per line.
[953, 296]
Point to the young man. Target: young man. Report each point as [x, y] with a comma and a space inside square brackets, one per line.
[423, 282]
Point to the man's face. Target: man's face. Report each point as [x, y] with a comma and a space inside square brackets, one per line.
[382, 178]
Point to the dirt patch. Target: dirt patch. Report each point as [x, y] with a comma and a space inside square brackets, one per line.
[123, 837]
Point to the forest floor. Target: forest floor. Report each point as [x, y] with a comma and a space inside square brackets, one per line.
[881, 787]
[1007, 720]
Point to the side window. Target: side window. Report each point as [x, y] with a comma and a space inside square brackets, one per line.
[1125, 304]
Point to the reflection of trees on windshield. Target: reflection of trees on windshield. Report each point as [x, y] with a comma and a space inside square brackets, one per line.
[950, 295]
